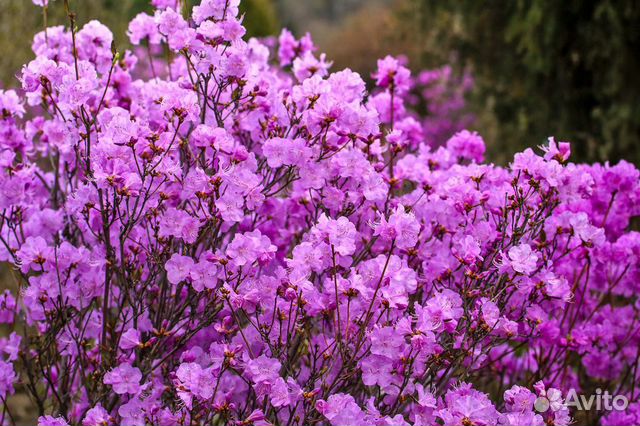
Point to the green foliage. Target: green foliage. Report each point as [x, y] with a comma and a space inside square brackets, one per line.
[259, 17]
[21, 19]
[565, 68]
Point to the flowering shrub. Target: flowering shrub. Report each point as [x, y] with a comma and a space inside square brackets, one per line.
[439, 97]
[210, 231]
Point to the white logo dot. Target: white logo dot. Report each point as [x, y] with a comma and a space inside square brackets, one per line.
[542, 404]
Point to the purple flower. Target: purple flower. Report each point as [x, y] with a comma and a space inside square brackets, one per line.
[339, 233]
[52, 421]
[467, 145]
[10, 103]
[11, 346]
[522, 259]
[180, 224]
[130, 339]
[124, 379]
[7, 378]
[401, 227]
[263, 369]
[193, 378]
[279, 151]
[248, 247]
[341, 409]
[143, 27]
[280, 393]
[7, 307]
[387, 342]
[378, 370]
[216, 9]
[392, 74]
[467, 406]
[519, 399]
[96, 416]
[178, 268]
[33, 253]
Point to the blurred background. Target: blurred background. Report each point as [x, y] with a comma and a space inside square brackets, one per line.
[566, 68]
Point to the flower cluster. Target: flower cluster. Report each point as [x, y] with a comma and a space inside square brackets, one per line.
[209, 230]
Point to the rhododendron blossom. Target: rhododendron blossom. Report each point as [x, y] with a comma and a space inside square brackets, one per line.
[221, 230]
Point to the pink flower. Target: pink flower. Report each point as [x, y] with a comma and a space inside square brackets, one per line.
[469, 405]
[96, 416]
[251, 246]
[308, 65]
[519, 399]
[197, 211]
[340, 233]
[143, 27]
[7, 378]
[387, 342]
[401, 227]
[559, 151]
[178, 268]
[216, 9]
[133, 412]
[287, 47]
[7, 307]
[467, 249]
[179, 224]
[280, 393]
[378, 370]
[441, 311]
[490, 312]
[163, 4]
[523, 259]
[467, 145]
[130, 339]
[11, 346]
[124, 379]
[392, 74]
[257, 418]
[33, 253]
[263, 369]
[341, 409]
[10, 103]
[52, 421]
[406, 226]
[200, 382]
[398, 420]
[204, 274]
[280, 151]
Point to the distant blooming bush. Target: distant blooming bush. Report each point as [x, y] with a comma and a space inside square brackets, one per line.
[213, 231]
[440, 100]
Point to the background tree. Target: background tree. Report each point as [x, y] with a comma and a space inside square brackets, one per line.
[19, 18]
[566, 68]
